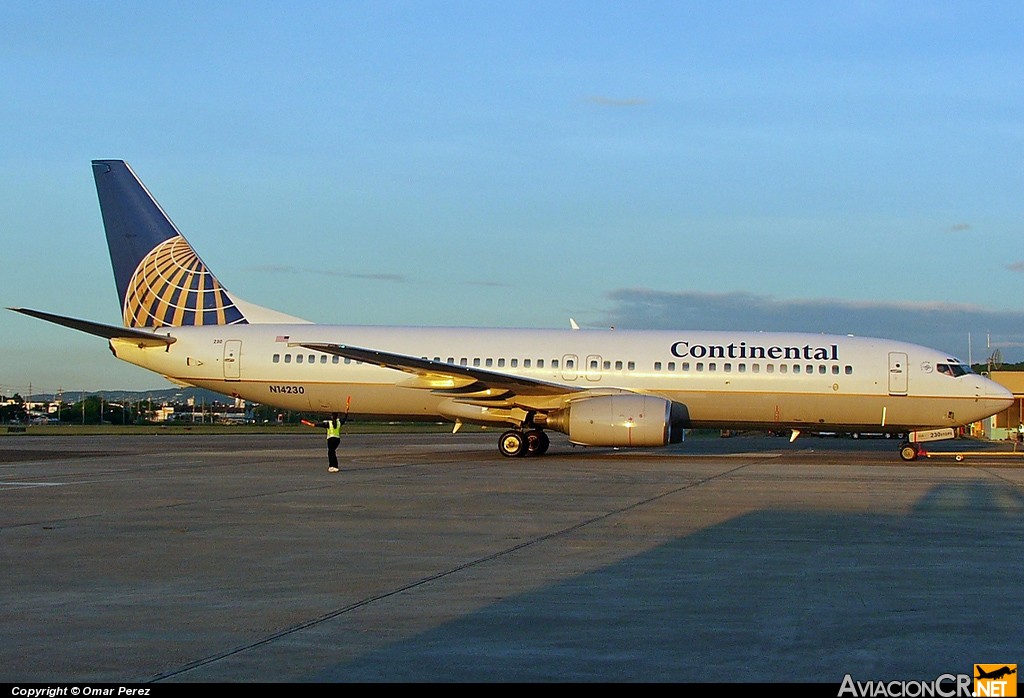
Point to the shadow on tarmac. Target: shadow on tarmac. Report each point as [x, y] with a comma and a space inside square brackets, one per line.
[775, 596]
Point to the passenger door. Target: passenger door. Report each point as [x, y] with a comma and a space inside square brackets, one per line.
[897, 373]
[232, 359]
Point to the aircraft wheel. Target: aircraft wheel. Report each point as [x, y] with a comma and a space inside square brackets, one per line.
[537, 442]
[909, 452]
[512, 444]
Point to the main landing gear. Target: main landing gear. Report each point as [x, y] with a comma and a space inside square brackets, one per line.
[515, 443]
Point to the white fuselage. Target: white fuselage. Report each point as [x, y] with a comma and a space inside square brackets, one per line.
[723, 379]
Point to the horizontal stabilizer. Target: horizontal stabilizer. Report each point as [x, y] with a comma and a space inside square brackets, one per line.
[140, 337]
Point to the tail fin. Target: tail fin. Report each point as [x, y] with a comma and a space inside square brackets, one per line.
[161, 281]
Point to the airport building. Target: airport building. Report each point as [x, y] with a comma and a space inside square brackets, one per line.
[1004, 425]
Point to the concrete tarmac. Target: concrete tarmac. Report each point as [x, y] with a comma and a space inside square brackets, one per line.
[432, 558]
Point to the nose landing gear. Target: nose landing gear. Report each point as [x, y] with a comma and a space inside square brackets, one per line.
[909, 451]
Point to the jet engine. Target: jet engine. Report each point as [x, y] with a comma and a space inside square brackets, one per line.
[618, 420]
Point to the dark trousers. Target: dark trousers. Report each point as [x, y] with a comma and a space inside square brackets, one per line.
[332, 451]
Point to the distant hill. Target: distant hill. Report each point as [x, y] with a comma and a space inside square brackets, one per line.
[169, 395]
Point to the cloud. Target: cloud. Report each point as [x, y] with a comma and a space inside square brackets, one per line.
[393, 278]
[959, 228]
[396, 278]
[936, 324]
[491, 284]
[274, 269]
[612, 102]
[283, 269]
[1016, 266]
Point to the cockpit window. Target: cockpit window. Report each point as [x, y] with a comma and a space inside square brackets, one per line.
[953, 370]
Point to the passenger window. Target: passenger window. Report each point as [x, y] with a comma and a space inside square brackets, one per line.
[686, 366]
[822, 370]
[700, 366]
[782, 368]
[727, 368]
[513, 362]
[607, 365]
[835, 370]
[476, 361]
[540, 363]
[770, 368]
[277, 358]
[287, 358]
[501, 363]
[657, 365]
[526, 363]
[489, 362]
[298, 358]
[618, 365]
[755, 368]
[849, 370]
[463, 361]
[335, 359]
[554, 363]
[630, 366]
[451, 359]
[323, 358]
[742, 368]
[712, 367]
[796, 368]
[569, 363]
[671, 365]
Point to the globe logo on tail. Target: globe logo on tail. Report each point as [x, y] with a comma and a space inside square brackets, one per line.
[171, 287]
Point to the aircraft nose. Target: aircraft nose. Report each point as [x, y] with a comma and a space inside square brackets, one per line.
[996, 392]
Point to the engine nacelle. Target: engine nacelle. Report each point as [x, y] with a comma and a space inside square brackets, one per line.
[619, 420]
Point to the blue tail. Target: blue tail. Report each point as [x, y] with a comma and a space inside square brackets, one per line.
[160, 279]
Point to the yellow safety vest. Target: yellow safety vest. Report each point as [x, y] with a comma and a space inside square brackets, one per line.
[334, 428]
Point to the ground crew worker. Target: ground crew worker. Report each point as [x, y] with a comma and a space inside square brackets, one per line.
[333, 439]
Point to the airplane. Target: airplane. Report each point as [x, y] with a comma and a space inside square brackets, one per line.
[996, 674]
[611, 388]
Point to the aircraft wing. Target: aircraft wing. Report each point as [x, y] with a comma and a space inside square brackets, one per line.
[447, 378]
[141, 337]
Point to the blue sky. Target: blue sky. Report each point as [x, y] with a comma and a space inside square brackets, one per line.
[850, 167]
